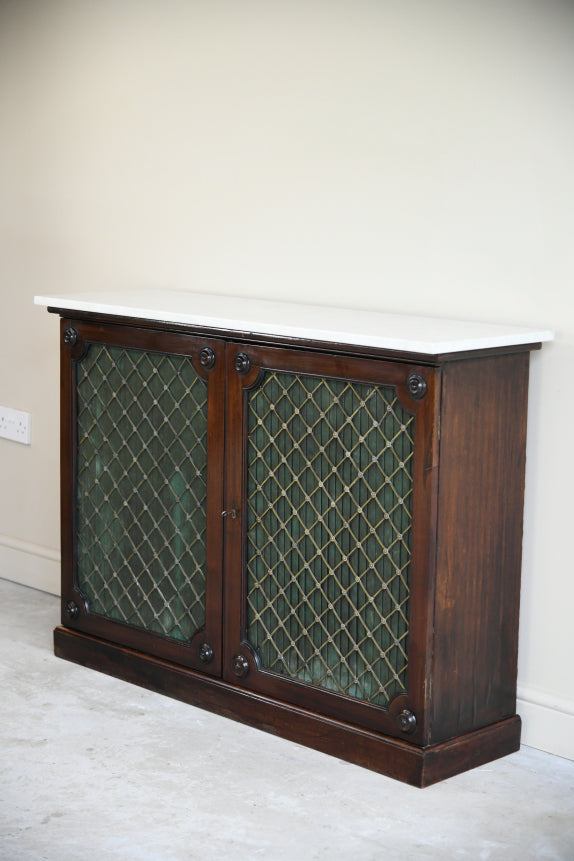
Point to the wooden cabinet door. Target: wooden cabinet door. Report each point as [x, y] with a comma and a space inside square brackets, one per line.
[142, 451]
[331, 474]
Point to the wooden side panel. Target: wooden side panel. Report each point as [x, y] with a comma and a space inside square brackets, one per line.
[479, 543]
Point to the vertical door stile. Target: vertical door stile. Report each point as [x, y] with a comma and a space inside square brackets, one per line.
[240, 374]
[209, 645]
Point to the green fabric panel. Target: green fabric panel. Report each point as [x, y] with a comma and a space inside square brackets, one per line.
[141, 491]
[329, 531]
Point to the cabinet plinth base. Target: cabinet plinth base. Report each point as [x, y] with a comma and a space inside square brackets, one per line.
[391, 757]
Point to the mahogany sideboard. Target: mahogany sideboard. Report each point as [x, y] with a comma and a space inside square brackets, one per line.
[302, 518]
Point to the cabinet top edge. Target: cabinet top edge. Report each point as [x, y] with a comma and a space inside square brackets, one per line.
[412, 334]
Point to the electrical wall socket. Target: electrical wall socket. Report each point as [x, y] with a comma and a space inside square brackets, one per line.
[15, 425]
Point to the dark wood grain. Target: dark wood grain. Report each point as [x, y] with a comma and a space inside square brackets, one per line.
[479, 543]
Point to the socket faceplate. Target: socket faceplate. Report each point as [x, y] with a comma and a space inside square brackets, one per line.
[15, 425]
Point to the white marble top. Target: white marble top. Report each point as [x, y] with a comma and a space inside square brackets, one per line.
[427, 335]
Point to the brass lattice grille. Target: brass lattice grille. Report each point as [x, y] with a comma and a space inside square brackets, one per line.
[142, 434]
[329, 526]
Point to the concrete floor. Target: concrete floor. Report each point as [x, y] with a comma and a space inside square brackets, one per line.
[93, 768]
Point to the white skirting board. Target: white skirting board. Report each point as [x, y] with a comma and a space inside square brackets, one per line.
[30, 564]
[547, 721]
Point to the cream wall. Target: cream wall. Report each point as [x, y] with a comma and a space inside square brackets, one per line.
[405, 156]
